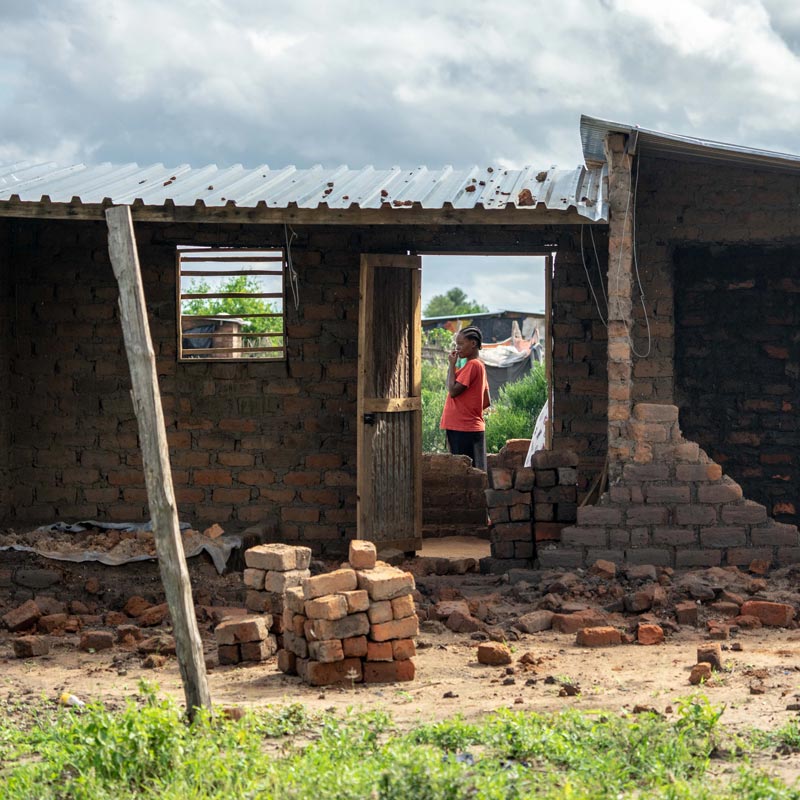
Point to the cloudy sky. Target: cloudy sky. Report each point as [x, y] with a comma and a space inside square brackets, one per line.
[434, 82]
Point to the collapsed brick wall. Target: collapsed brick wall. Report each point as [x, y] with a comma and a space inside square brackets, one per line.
[737, 365]
[453, 502]
[249, 441]
[724, 239]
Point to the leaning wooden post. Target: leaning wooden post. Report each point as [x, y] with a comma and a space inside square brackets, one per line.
[155, 457]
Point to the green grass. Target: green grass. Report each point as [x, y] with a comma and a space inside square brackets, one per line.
[147, 750]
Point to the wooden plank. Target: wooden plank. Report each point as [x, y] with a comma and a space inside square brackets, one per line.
[303, 216]
[364, 322]
[206, 350]
[212, 257]
[224, 316]
[155, 458]
[416, 391]
[218, 273]
[383, 405]
[391, 260]
[267, 335]
[223, 295]
[548, 349]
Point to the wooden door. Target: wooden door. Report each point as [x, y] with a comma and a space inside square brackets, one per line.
[389, 422]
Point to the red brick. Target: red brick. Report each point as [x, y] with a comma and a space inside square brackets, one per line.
[501, 478]
[379, 651]
[96, 640]
[778, 615]
[340, 580]
[389, 672]
[599, 515]
[332, 606]
[355, 646]
[652, 412]
[260, 650]
[230, 495]
[719, 493]
[357, 600]
[326, 651]
[244, 629]
[211, 477]
[22, 617]
[649, 634]
[494, 654]
[30, 646]
[572, 623]
[362, 554]
[698, 472]
[235, 459]
[323, 461]
[395, 629]
[686, 613]
[319, 674]
[379, 611]
[403, 607]
[229, 654]
[385, 583]
[603, 636]
[287, 662]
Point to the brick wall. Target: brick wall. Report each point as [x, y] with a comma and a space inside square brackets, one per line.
[6, 334]
[580, 374]
[453, 502]
[726, 239]
[737, 365]
[249, 441]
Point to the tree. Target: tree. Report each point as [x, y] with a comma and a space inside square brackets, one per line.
[236, 306]
[453, 302]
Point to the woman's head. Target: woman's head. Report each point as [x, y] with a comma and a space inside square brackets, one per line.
[468, 342]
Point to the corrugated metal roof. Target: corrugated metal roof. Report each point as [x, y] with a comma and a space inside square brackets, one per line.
[487, 188]
[594, 132]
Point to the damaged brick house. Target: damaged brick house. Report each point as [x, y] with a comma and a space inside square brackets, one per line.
[323, 439]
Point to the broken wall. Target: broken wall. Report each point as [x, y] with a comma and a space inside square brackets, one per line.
[726, 241]
[248, 441]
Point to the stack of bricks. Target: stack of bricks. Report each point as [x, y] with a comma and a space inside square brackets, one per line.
[270, 570]
[354, 624]
[528, 504]
[245, 639]
[672, 506]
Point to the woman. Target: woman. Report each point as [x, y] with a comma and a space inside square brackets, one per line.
[467, 397]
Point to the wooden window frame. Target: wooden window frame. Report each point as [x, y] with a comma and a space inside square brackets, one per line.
[225, 255]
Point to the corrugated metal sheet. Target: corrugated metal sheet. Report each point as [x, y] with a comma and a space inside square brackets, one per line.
[594, 132]
[340, 188]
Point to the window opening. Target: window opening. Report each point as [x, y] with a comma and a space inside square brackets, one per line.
[231, 304]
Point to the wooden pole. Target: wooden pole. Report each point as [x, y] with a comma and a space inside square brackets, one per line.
[155, 457]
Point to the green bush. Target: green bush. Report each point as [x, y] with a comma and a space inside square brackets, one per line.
[515, 409]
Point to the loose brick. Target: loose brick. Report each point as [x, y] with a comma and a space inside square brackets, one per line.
[259, 651]
[604, 636]
[362, 554]
[329, 674]
[403, 649]
[276, 557]
[395, 629]
[403, 607]
[700, 673]
[545, 478]
[22, 617]
[154, 615]
[380, 611]
[30, 646]
[385, 583]
[332, 606]
[254, 578]
[710, 653]
[287, 662]
[351, 625]
[228, 654]
[340, 580]
[136, 606]
[389, 672]
[686, 613]
[553, 459]
[96, 640]
[777, 615]
[357, 600]
[244, 629]
[649, 634]
[52, 622]
[494, 654]
[379, 651]
[535, 621]
[355, 646]
[572, 623]
[326, 651]
[524, 479]
[258, 602]
[296, 644]
[279, 582]
[295, 599]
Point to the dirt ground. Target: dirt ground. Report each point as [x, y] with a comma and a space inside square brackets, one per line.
[759, 686]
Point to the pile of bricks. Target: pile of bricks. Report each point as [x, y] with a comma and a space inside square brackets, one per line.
[528, 504]
[354, 624]
[245, 639]
[271, 569]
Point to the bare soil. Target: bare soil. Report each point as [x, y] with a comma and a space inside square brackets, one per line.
[759, 686]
